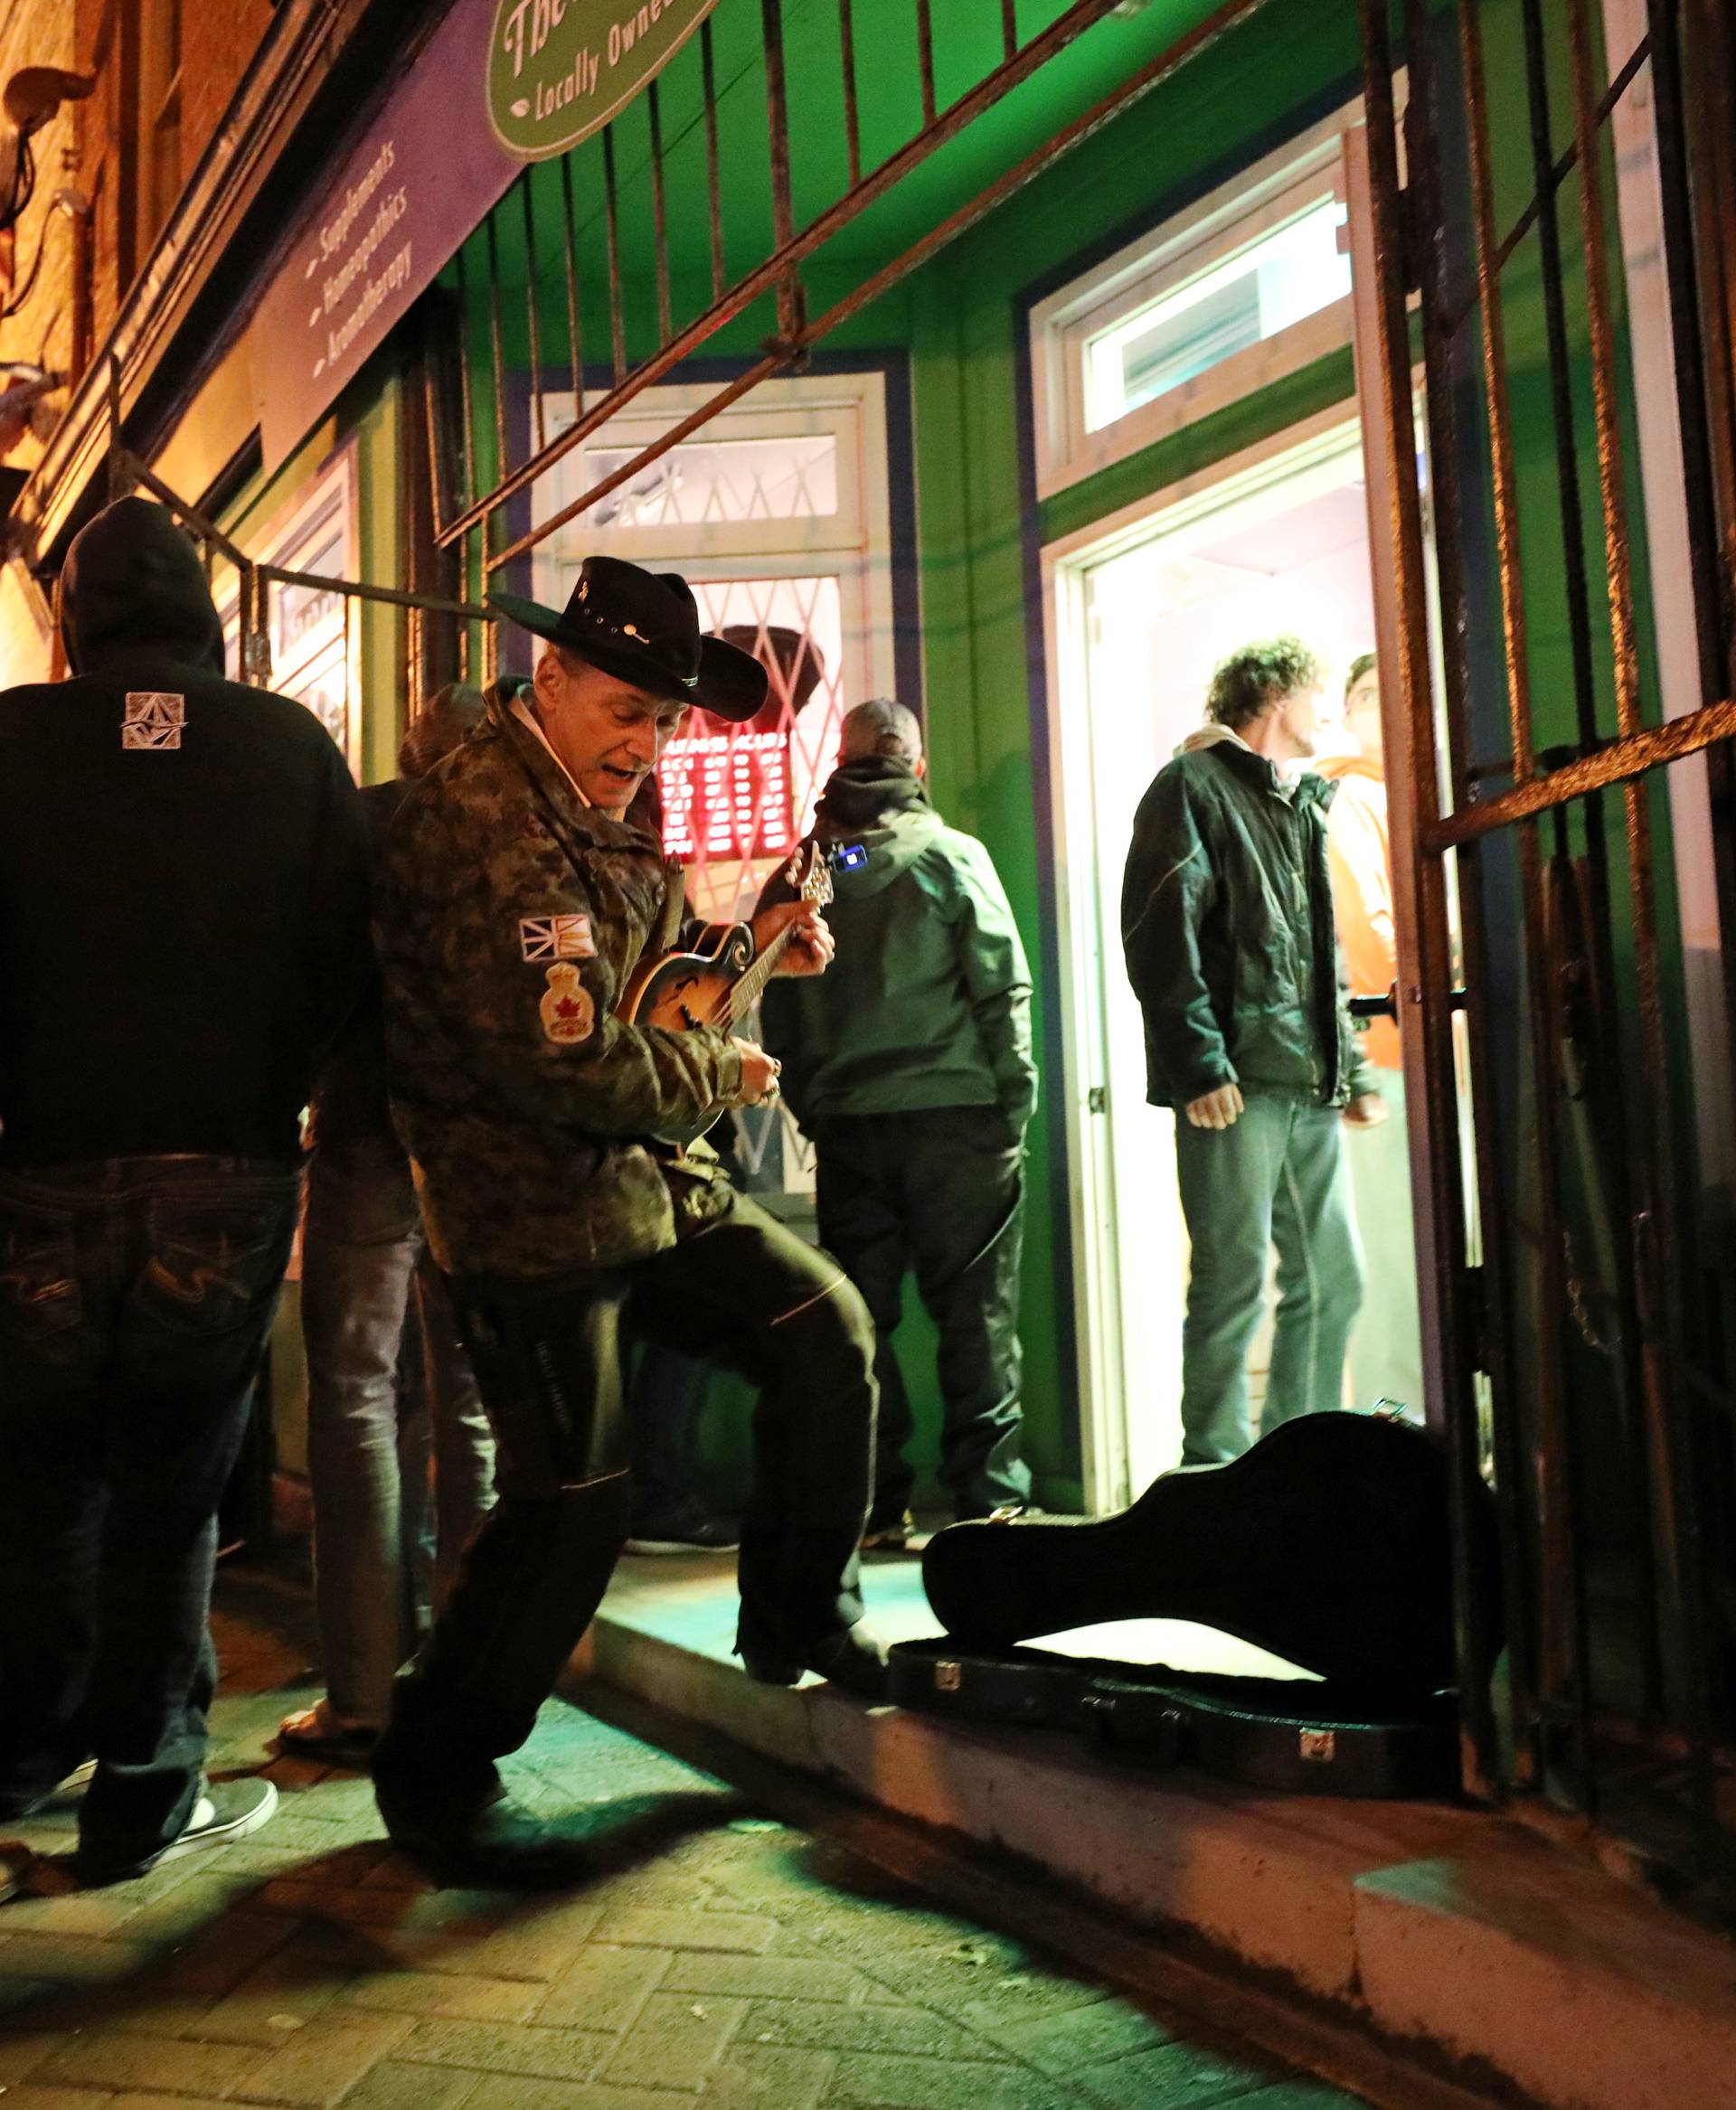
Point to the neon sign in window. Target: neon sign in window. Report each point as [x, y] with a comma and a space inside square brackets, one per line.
[726, 795]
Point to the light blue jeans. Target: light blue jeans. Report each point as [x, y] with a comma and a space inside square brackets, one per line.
[1277, 1178]
[399, 1450]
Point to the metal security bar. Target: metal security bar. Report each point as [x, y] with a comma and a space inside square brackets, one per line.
[1617, 1700]
[467, 516]
[255, 582]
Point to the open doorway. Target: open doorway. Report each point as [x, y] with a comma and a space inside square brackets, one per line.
[1146, 609]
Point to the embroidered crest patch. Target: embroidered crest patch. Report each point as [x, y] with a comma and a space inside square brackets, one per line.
[556, 937]
[153, 718]
[567, 1008]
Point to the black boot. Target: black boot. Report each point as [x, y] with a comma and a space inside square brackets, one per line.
[853, 1657]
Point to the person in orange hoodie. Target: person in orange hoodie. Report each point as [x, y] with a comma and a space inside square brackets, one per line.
[1385, 1353]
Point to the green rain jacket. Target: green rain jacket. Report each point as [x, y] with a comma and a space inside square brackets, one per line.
[1226, 918]
[509, 915]
[928, 1003]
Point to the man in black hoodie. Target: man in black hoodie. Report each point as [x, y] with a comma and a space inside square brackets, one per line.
[909, 1066]
[183, 934]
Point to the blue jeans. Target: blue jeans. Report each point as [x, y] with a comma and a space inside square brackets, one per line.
[134, 1298]
[1386, 1345]
[389, 1397]
[1277, 1178]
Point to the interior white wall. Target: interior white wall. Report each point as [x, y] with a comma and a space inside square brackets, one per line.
[1653, 352]
[1159, 616]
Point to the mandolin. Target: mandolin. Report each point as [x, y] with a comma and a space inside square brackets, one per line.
[718, 983]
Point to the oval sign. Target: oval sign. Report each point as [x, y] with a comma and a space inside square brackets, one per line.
[560, 70]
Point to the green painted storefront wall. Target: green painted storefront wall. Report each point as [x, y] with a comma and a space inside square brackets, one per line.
[967, 46]
[977, 523]
[962, 321]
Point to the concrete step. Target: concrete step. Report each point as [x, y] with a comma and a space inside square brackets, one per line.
[1497, 1953]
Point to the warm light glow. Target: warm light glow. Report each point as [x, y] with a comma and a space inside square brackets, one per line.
[726, 795]
[1280, 280]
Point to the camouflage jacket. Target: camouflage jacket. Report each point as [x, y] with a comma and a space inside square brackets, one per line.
[509, 914]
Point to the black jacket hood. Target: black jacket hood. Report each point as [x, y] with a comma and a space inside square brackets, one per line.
[133, 585]
[872, 789]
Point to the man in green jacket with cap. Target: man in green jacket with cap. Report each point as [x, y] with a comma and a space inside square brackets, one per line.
[1226, 918]
[910, 1068]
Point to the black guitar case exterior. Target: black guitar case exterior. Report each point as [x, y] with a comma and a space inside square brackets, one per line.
[1327, 1544]
[1291, 1736]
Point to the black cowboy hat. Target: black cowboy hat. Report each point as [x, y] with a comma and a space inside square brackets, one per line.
[643, 626]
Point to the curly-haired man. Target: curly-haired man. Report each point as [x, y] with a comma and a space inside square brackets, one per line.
[1226, 918]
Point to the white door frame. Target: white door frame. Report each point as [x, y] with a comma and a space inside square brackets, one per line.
[1085, 951]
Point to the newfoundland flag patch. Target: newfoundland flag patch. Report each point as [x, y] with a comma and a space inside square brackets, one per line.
[556, 937]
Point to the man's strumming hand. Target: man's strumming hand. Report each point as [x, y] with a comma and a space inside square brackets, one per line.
[760, 1073]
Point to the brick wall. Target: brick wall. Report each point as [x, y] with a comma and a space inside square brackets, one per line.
[218, 39]
[38, 33]
[79, 288]
[98, 124]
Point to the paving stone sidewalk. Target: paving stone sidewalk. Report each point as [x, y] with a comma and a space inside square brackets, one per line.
[718, 1957]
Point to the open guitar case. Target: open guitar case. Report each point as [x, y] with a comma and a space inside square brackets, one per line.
[1328, 1544]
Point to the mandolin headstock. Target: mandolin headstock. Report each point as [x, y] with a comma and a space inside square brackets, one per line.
[809, 872]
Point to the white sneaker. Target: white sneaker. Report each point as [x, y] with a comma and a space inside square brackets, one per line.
[228, 1810]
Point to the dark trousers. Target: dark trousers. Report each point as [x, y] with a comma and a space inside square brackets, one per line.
[135, 1297]
[738, 1288]
[940, 1191]
[665, 1402]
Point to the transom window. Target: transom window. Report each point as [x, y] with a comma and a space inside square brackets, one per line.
[1245, 287]
[1230, 308]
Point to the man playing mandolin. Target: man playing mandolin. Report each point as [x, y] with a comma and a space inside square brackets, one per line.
[565, 1190]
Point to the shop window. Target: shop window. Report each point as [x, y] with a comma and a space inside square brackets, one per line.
[151, 123]
[310, 628]
[777, 513]
[1249, 285]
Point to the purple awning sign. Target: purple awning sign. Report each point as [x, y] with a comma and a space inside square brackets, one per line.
[499, 84]
[418, 181]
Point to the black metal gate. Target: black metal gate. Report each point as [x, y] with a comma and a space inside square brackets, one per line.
[1575, 1291]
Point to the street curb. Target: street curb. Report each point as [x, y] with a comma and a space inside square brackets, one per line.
[1493, 1952]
